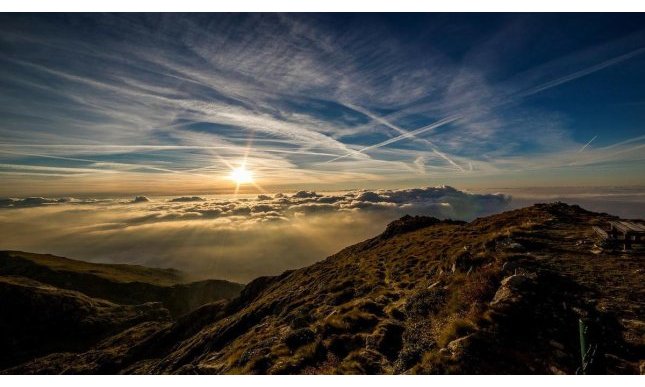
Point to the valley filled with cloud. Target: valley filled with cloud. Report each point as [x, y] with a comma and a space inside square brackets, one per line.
[224, 237]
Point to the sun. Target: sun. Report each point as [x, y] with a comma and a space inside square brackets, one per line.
[241, 175]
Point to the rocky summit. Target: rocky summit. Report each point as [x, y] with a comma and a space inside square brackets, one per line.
[511, 293]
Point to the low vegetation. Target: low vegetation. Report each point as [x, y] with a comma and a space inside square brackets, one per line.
[502, 294]
[121, 284]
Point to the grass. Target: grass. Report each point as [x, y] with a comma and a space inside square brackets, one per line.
[391, 305]
[112, 272]
[122, 284]
[454, 330]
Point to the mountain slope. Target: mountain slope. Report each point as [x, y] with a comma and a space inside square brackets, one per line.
[502, 294]
[121, 284]
[110, 272]
[39, 319]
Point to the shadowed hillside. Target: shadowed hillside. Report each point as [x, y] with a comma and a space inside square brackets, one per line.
[121, 284]
[52, 304]
[502, 294]
[39, 319]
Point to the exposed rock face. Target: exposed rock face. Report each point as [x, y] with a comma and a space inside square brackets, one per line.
[513, 288]
[427, 296]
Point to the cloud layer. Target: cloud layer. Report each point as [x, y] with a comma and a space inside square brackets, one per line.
[237, 239]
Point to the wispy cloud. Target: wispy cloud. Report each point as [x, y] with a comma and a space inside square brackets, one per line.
[497, 102]
[587, 144]
[182, 95]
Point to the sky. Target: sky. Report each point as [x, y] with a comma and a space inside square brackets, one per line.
[168, 104]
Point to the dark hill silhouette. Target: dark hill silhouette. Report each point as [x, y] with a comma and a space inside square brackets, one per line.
[38, 319]
[121, 284]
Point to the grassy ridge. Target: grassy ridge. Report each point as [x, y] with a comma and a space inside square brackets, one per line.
[110, 272]
[121, 284]
[502, 294]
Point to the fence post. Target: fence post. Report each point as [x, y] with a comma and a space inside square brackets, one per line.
[582, 329]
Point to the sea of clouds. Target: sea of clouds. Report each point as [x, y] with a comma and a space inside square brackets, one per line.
[224, 237]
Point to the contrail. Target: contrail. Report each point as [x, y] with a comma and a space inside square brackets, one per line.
[99, 162]
[60, 169]
[448, 159]
[511, 98]
[413, 133]
[161, 148]
[374, 117]
[582, 73]
[587, 144]
[403, 132]
[628, 141]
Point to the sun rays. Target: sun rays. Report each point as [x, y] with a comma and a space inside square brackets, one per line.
[241, 175]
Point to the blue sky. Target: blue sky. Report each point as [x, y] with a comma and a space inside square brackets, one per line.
[170, 103]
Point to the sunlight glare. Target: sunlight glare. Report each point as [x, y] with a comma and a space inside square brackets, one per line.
[241, 175]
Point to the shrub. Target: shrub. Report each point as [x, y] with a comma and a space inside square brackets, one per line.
[387, 339]
[454, 330]
[353, 321]
[343, 296]
[305, 356]
[299, 337]
[362, 362]
[341, 345]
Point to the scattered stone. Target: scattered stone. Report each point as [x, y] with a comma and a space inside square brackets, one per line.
[513, 287]
[434, 285]
[456, 347]
[519, 281]
[510, 266]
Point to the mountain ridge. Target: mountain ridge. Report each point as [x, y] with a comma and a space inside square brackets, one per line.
[122, 284]
[501, 294]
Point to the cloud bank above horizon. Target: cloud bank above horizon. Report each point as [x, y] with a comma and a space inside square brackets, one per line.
[224, 237]
[170, 103]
